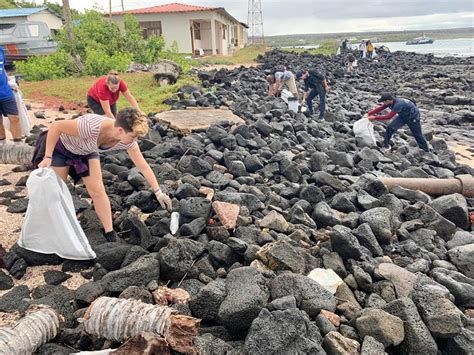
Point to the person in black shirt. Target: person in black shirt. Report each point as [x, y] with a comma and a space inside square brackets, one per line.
[315, 83]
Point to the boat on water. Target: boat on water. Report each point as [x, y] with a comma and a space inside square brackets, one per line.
[421, 40]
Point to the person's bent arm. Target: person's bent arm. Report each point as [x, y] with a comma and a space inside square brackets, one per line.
[131, 99]
[57, 128]
[378, 109]
[388, 116]
[326, 85]
[142, 165]
[106, 107]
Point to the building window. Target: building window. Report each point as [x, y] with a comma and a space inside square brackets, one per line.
[224, 28]
[151, 28]
[197, 30]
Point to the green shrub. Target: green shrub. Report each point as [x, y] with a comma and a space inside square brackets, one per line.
[53, 66]
[92, 31]
[99, 63]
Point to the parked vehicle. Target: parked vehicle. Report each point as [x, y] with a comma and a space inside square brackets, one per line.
[26, 39]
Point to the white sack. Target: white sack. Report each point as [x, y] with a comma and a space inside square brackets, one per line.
[364, 130]
[51, 226]
[22, 113]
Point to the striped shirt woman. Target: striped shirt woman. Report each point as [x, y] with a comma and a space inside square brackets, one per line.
[73, 146]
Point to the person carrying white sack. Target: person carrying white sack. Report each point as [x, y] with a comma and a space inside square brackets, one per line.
[73, 146]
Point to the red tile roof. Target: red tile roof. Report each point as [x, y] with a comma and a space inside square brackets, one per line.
[167, 8]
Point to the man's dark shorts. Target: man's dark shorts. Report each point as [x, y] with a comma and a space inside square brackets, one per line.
[8, 107]
[96, 107]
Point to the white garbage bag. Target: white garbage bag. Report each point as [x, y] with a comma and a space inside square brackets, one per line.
[364, 131]
[22, 114]
[51, 226]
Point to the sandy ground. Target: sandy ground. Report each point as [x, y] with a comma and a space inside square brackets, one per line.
[10, 223]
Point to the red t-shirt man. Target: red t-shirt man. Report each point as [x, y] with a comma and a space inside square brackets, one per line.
[102, 97]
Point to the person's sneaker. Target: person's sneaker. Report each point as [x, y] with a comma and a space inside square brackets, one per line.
[111, 236]
[321, 118]
[386, 149]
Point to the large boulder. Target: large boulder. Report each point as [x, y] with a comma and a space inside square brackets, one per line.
[287, 332]
[165, 71]
[418, 338]
[177, 259]
[381, 223]
[138, 273]
[454, 208]
[310, 296]
[463, 258]
[246, 294]
[384, 327]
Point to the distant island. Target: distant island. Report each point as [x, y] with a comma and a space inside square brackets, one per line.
[381, 36]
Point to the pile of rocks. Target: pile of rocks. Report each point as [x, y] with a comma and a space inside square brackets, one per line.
[288, 241]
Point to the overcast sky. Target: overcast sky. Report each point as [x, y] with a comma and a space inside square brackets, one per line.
[319, 16]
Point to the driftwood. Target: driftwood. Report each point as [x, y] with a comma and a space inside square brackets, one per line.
[16, 154]
[121, 319]
[39, 326]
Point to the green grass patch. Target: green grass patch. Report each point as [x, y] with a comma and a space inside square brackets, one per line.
[143, 86]
[326, 48]
[242, 56]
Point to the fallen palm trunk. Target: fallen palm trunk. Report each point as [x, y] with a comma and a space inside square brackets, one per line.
[39, 326]
[16, 154]
[462, 184]
[120, 319]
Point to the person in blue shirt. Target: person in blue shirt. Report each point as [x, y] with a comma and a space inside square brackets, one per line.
[8, 105]
[408, 114]
[315, 83]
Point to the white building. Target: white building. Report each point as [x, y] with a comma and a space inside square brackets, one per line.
[35, 14]
[196, 29]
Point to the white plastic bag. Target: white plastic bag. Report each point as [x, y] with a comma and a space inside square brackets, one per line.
[22, 114]
[354, 64]
[51, 226]
[364, 131]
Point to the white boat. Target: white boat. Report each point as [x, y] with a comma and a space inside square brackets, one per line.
[421, 40]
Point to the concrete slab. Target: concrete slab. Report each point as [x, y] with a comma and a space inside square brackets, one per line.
[196, 119]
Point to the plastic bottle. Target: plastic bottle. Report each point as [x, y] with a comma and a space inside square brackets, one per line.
[174, 224]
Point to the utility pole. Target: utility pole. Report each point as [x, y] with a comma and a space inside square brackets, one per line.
[123, 8]
[110, 10]
[70, 34]
[255, 22]
[68, 20]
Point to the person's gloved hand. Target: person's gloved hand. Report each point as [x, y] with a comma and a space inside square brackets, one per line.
[164, 200]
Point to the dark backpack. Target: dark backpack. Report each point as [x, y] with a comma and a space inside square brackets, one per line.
[317, 74]
[279, 68]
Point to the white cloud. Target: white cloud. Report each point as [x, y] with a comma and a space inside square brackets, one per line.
[323, 16]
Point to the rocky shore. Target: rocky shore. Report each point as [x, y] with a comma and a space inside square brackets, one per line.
[288, 242]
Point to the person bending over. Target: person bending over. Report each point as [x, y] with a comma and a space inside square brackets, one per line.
[408, 114]
[102, 97]
[73, 146]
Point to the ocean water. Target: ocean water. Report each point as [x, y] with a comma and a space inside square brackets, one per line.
[441, 48]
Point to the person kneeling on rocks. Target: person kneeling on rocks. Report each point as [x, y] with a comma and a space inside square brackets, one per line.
[280, 77]
[315, 83]
[73, 146]
[408, 114]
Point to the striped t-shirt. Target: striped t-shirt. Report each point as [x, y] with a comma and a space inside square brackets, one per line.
[87, 141]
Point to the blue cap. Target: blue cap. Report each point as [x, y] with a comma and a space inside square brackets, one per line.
[299, 74]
